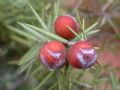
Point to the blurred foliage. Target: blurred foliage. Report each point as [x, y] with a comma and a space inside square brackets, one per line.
[25, 25]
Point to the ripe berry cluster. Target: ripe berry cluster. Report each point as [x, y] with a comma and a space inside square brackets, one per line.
[54, 54]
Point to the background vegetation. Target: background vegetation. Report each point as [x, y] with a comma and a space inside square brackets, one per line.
[26, 24]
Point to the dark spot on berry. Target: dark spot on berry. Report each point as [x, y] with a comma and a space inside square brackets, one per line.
[86, 57]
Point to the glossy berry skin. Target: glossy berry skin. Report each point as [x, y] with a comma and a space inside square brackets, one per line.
[82, 55]
[61, 26]
[53, 55]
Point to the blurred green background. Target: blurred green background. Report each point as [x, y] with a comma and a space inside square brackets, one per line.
[14, 45]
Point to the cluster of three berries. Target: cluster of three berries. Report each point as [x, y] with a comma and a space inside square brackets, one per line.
[54, 54]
